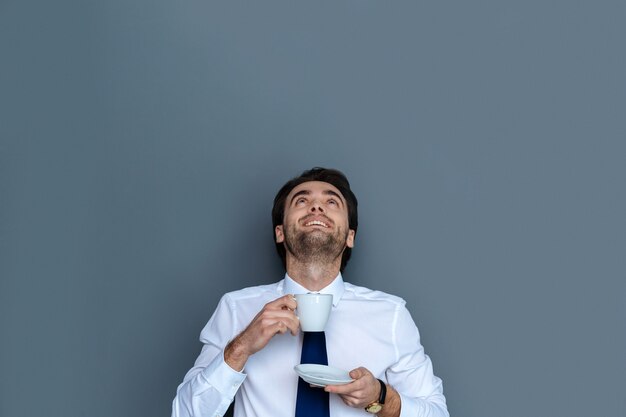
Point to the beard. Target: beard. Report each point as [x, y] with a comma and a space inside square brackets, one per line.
[315, 246]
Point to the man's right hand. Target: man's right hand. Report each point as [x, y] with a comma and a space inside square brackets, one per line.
[276, 317]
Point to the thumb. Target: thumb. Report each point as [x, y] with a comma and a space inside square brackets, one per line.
[357, 373]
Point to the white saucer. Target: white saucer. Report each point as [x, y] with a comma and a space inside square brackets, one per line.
[322, 375]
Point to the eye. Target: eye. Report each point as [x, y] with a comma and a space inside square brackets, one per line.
[301, 200]
[332, 202]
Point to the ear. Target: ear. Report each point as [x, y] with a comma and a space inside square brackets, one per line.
[350, 238]
[278, 231]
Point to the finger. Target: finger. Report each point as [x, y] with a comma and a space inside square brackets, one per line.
[293, 324]
[287, 317]
[282, 326]
[288, 301]
[282, 314]
[294, 327]
[272, 316]
[268, 327]
[345, 389]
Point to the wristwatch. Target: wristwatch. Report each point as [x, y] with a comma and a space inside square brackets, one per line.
[376, 406]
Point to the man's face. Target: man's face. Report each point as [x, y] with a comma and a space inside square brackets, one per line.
[315, 223]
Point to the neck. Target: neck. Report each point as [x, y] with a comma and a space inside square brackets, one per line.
[311, 275]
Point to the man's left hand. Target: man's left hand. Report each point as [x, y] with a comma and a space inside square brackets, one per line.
[364, 390]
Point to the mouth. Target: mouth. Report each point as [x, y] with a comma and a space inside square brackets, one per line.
[316, 223]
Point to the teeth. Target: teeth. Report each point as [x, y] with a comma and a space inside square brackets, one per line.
[316, 222]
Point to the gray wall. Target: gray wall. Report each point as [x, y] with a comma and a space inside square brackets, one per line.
[142, 143]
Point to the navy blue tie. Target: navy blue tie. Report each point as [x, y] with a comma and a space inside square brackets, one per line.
[312, 402]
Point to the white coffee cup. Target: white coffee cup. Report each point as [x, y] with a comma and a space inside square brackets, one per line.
[313, 311]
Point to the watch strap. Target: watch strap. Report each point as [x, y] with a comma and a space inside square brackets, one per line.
[376, 406]
[383, 392]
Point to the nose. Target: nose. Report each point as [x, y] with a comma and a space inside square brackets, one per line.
[316, 206]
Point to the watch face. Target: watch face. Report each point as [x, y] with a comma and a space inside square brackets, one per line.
[374, 408]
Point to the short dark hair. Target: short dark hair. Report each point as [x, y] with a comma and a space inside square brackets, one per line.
[331, 176]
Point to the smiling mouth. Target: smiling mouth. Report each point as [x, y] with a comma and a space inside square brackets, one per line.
[316, 223]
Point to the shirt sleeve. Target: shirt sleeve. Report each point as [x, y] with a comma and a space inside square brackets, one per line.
[209, 387]
[421, 392]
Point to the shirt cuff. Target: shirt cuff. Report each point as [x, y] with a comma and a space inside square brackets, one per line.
[410, 407]
[222, 377]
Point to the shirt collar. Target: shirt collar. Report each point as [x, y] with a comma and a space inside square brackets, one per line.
[336, 288]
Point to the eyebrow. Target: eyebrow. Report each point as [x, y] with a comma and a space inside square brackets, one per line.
[308, 192]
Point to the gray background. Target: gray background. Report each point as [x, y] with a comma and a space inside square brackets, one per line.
[142, 143]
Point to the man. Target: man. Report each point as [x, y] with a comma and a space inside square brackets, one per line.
[253, 341]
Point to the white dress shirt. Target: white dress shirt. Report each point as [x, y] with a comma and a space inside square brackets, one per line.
[366, 328]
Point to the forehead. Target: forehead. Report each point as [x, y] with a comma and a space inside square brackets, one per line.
[313, 187]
